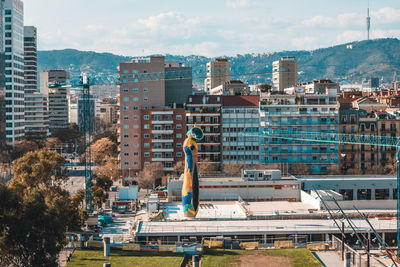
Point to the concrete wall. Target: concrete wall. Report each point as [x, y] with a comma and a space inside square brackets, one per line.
[309, 199]
[250, 191]
[364, 204]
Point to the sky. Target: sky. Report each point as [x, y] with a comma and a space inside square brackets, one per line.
[207, 27]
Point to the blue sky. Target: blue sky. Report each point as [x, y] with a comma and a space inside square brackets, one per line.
[206, 27]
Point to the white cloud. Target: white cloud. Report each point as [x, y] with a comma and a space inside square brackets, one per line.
[385, 15]
[341, 20]
[350, 36]
[306, 42]
[237, 3]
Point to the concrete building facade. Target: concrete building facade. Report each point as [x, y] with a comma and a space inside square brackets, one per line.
[218, 72]
[13, 14]
[178, 83]
[240, 114]
[284, 73]
[205, 112]
[53, 82]
[2, 80]
[299, 111]
[231, 88]
[36, 113]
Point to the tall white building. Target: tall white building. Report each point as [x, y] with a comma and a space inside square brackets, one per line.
[13, 14]
[2, 80]
[284, 73]
[36, 114]
[218, 73]
[54, 82]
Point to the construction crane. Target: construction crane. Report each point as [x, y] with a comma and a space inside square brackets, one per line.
[338, 138]
[87, 128]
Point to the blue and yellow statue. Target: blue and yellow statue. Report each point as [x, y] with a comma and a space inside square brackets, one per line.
[190, 187]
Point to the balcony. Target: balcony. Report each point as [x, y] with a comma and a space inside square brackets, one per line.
[162, 131]
[162, 159]
[162, 122]
[162, 140]
[162, 150]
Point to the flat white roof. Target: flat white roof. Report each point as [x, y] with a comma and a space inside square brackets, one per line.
[250, 227]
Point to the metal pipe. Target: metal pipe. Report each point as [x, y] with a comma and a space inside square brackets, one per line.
[377, 235]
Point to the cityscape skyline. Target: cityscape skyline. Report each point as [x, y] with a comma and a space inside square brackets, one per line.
[176, 28]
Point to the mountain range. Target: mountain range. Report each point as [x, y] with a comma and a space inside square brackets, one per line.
[350, 62]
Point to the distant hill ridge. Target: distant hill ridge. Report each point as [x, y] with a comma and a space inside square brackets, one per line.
[355, 61]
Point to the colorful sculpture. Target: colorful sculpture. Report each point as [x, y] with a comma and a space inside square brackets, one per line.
[190, 187]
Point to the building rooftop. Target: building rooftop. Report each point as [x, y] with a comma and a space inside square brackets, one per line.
[243, 227]
[241, 100]
[347, 177]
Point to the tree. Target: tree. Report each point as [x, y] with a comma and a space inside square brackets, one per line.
[38, 169]
[110, 134]
[22, 147]
[179, 167]
[33, 226]
[233, 169]
[300, 169]
[102, 149]
[51, 143]
[149, 174]
[72, 134]
[110, 168]
[207, 168]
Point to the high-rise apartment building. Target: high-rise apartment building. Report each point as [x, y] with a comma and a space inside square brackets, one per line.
[205, 112]
[178, 83]
[36, 114]
[137, 94]
[284, 73]
[52, 82]
[240, 114]
[151, 112]
[2, 80]
[13, 14]
[218, 73]
[300, 111]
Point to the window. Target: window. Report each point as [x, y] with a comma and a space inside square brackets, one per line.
[179, 154]
[125, 108]
[126, 90]
[146, 117]
[135, 108]
[135, 99]
[136, 163]
[146, 145]
[145, 90]
[126, 135]
[126, 163]
[135, 90]
[178, 135]
[125, 99]
[126, 154]
[136, 117]
[146, 136]
[136, 126]
[136, 145]
[178, 117]
[136, 153]
[146, 126]
[126, 126]
[145, 99]
[135, 136]
[178, 145]
[146, 163]
[126, 145]
[179, 126]
[126, 117]
[147, 154]
[145, 107]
